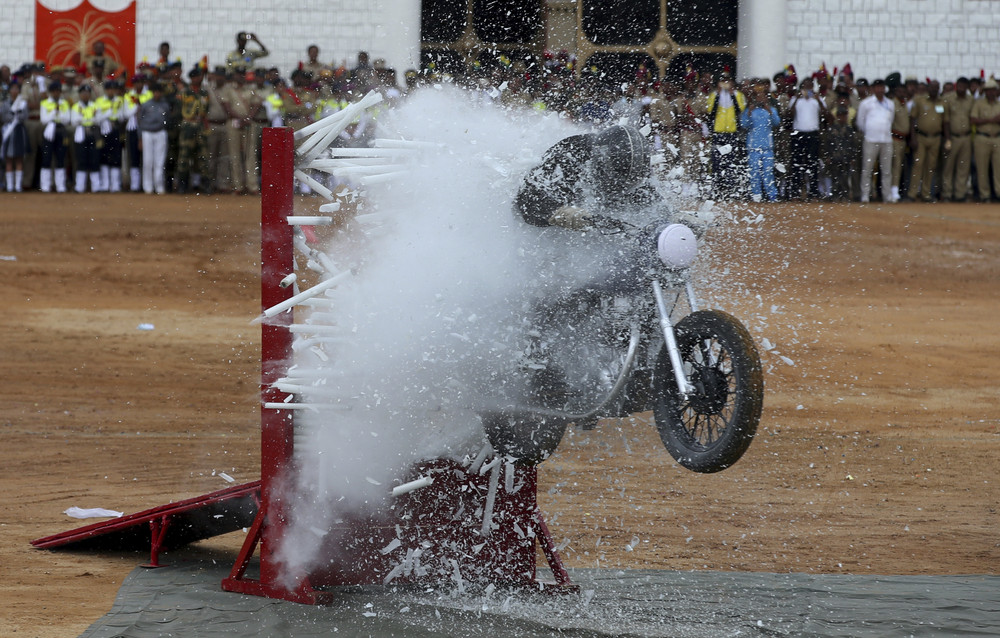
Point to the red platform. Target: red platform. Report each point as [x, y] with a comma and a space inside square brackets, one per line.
[168, 526]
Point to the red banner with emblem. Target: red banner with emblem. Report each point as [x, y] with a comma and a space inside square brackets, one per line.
[66, 38]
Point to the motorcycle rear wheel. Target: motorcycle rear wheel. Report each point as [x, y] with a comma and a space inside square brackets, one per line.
[711, 429]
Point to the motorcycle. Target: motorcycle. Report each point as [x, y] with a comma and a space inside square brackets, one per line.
[612, 349]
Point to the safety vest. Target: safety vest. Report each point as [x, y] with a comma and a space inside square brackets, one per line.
[50, 110]
[331, 105]
[277, 104]
[111, 106]
[87, 112]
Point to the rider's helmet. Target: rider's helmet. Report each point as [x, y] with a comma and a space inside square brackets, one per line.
[621, 157]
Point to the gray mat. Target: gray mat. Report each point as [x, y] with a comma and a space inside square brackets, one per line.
[185, 600]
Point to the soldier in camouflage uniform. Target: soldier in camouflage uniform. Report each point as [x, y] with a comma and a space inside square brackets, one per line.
[173, 88]
[191, 158]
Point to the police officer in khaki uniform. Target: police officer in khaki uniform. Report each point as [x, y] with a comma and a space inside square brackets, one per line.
[236, 99]
[985, 116]
[958, 158]
[34, 94]
[216, 149]
[900, 136]
[929, 127]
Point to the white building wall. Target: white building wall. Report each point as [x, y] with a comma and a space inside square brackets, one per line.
[388, 29]
[941, 39]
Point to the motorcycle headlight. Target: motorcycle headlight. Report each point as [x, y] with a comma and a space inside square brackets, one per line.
[677, 246]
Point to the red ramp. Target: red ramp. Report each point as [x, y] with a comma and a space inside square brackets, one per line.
[168, 526]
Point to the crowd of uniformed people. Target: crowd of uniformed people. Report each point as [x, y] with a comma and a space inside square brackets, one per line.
[97, 128]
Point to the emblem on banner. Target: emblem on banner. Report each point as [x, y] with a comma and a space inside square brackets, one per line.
[66, 38]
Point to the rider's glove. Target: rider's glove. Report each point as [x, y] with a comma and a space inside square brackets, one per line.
[571, 217]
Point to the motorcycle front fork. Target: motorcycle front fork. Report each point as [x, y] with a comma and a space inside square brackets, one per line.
[684, 386]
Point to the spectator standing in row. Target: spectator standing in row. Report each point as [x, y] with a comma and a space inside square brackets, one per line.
[111, 108]
[191, 138]
[929, 127]
[139, 94]
[760, 119]
[874, 119]
[217, 133]
[724, 107]
[807, 112]
[85, 125]
[900, 136]
[985, 116]
[14, 142]
[152, 122]
[840, 145]
[243, 58]
[958, 158]
[55, 117]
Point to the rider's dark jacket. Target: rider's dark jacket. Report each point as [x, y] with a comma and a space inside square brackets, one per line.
[570, 174]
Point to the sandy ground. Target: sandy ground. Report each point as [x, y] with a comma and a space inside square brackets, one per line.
[876, 452]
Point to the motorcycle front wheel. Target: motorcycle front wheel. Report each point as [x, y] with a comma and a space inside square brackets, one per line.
[709, 430]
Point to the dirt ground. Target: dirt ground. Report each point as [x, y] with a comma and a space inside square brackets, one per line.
[876, 452]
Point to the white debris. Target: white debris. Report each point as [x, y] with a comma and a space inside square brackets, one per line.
[392, 546]
[225, 477]
[92, 512]
[725, 149]
[417, 484]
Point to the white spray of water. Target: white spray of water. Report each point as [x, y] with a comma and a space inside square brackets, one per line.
[431, 324]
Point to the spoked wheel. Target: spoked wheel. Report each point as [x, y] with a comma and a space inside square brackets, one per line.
[711, 429]
[529, 439]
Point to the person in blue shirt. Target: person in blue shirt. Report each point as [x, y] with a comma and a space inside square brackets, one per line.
[759, 120]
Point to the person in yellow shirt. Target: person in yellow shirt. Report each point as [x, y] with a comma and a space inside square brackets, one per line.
[724, 107]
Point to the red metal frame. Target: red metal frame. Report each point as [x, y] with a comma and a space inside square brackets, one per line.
[356, 559]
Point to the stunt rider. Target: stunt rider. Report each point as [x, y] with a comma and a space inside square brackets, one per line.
[586, 181]
[593, 182]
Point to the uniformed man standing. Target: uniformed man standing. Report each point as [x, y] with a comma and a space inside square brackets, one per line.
[958, 158]
[191, 135]
[110, 113]
[34, 94]
[55, 112]
[929, 128]
[235, 100]
[86, 134]
[216, 137]
[900, 136]
[985, 116]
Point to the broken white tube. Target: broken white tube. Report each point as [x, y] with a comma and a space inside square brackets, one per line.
[491, 497]
[372, 98]
[306, 294]
[417, 484]
[309, 220]
[323, 191]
